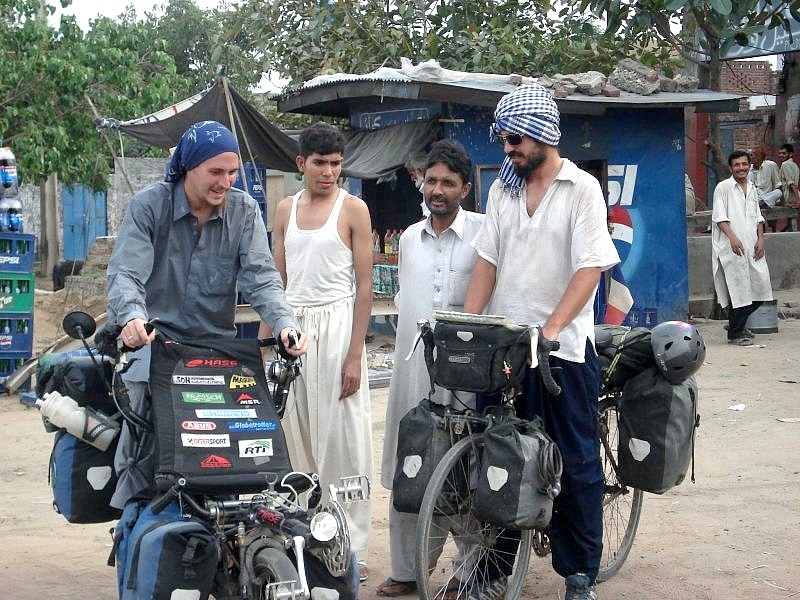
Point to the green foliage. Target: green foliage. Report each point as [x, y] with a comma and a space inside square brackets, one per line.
[301, 39]
[48, 74]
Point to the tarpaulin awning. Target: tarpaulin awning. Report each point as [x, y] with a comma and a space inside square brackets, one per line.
[379, 152]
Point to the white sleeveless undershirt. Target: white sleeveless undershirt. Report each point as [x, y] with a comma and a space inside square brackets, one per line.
[319, 266]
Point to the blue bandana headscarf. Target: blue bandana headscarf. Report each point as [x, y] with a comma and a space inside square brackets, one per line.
[529, 110]
[200, 142]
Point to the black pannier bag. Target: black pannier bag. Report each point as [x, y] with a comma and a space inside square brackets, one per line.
[657, 422]
[520, 475]
[422, 440]
[623, 352]
[216, 425]
[472, 357]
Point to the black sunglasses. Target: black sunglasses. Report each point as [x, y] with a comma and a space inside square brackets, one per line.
[513, 139]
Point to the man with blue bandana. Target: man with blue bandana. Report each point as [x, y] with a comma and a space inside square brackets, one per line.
[183, 245]
[541, 250]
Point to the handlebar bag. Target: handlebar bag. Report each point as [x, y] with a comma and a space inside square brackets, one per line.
[474, 357]
[657, 422]
[520, 475]
[215, 423]
[422, 440]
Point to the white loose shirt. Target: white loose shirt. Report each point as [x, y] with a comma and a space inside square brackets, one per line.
[433, 273]
[536, 256]
[738, 280]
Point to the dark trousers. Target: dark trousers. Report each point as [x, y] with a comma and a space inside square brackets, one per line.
[576, 528]
[737, 319]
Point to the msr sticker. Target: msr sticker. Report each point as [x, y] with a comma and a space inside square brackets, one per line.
[239, 381]
[251, 425]
[255, 448]
[199, 379]
[203, 397]
[222, 413]
[196, 440]
[198, 425]
[224, 363]
[246, 399]
[212, 461]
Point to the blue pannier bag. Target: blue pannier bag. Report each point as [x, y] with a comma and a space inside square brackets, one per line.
[163, 556]
[82, 479]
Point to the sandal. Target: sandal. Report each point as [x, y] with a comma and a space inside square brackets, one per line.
[392, 588]
[451, 590]
[363, 572]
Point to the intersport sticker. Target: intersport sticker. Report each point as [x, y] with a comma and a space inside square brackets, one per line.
[251, 426]
[197, 440]
[203, 397]
[255, 448]
[225, 413]
[240, 381]
[198, 379]
[198, 425]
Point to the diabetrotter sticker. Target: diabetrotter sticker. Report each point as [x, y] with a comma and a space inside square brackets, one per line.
[198, 379]
[225, 413]
[203, 397]
[255, 448]
[196, 440]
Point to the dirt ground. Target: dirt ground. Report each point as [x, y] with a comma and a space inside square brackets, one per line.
[731, 535]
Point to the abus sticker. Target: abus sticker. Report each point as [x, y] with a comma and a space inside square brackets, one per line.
[253, 448]
[198, 379]
[198, 425]
[196, 440]
[225, 363]
[251, 426]
[222, 413]
[239, 381]
[203, 397]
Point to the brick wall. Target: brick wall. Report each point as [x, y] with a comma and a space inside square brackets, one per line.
[749, 78]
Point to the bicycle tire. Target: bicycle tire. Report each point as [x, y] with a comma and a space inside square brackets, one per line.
[271, 565]
[446, 521]
[622, 504]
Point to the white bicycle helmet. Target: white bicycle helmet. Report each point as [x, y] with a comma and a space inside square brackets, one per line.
[678, 348]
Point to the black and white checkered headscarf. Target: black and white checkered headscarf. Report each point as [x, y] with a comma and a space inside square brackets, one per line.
[529, 110]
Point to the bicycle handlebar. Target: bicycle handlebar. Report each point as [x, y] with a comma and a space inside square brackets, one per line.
[543, 349]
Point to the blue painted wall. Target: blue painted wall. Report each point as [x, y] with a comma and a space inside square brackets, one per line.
[644, 152]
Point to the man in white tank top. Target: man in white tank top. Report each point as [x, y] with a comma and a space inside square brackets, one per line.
[322, 240]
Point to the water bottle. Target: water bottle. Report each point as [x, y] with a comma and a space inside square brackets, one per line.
[14, 215]
[85, 423]
[9, 184]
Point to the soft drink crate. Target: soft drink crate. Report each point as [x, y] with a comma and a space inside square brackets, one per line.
[16, 292]
[16, 332]
[17, 252]
[10, 362]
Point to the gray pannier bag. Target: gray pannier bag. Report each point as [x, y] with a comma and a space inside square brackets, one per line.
[657, 423]
[520, 475]
[422, 440]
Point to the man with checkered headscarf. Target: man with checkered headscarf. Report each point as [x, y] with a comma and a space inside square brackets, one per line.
[184, 245]
[541, 250]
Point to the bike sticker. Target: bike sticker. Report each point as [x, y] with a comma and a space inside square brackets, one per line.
[246, 399]
[224, 363]
[198, 425]
[203, 397]
[255, 448]
[199, 379]
[240, 381]
[225, 413]
[195, 440]
[212, 461]
[251, 426]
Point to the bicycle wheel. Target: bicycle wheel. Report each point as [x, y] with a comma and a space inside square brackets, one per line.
[457, 553]
[622, 504]
[272, 567]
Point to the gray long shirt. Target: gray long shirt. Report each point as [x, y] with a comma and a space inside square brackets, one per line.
[162, 266]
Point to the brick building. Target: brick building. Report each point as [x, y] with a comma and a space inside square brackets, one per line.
[755, 123]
